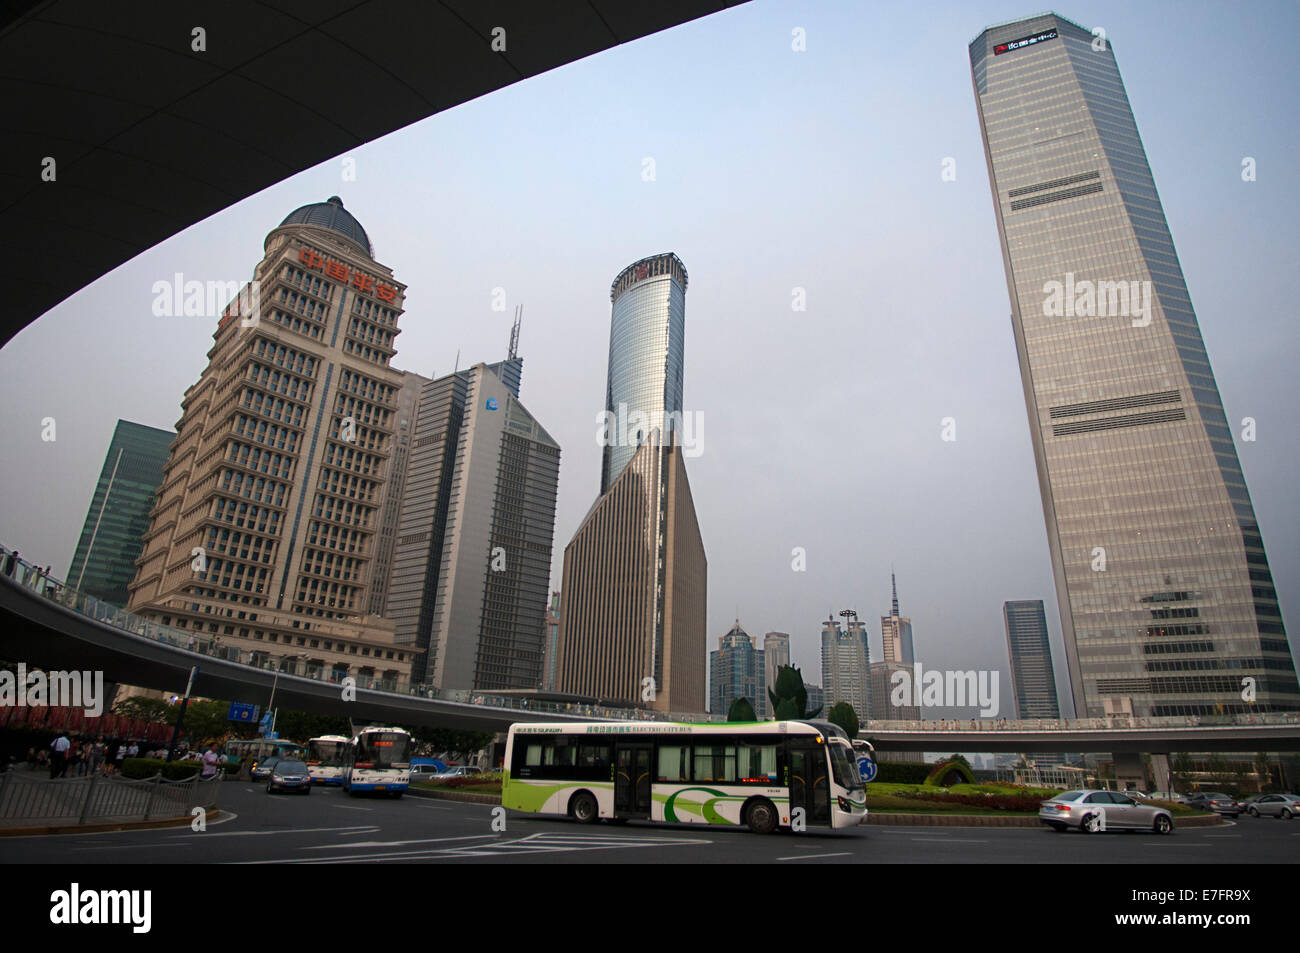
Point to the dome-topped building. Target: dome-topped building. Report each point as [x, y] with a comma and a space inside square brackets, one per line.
[332, 215]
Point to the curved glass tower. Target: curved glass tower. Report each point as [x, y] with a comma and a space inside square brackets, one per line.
[1167, 603]
[647, 343]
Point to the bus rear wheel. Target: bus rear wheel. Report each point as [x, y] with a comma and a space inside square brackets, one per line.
[761, 817]
[583, 808]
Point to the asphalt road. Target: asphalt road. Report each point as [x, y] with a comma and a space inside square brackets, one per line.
[329, 826]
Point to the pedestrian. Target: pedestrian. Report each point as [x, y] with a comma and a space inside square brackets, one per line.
[59, 757]
[110, 756]
[210, 759]
[120, 756]
[96, 756]
[133, 750]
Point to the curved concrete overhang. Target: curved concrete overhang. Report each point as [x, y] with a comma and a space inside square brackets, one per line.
[149, 134]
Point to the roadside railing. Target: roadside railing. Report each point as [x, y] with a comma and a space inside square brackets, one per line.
[28, 799]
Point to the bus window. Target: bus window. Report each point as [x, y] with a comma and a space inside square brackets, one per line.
[758, 763]
[715, 763]
[673, 764]
[533, 756]
[594, 756]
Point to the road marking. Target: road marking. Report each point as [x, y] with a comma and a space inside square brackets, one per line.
[1179, 845]
[287, 830]
[125, 847]
[842, 853]
[1222, 835]
[396, 843]
[950, 840]
[431, 807]
[351, 807]
[532, 844]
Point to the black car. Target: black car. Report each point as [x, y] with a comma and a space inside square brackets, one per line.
[289, 776]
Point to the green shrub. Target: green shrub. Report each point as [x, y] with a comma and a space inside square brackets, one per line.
[945, 771]
[901, 772]
[140, 768]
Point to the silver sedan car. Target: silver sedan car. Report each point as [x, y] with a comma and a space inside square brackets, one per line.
[1285, 806]
[1096, 811]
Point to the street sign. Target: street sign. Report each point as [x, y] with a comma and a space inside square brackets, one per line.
[242, 712]
[867, 768]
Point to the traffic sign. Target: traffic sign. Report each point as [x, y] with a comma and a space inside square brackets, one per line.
[242, 712]
[867, 768]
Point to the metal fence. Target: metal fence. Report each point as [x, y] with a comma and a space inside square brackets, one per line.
[28, 799]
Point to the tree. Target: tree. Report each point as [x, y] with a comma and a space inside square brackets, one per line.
[789, 697]
[301, 725]
[147, 709]
[842, 714]
[741, 710]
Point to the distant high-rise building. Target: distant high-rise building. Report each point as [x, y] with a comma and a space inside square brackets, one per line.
[896, 632]
[472, 567]
[267, 520]
[1166, 597]
[846, 658]
[1032, 681]
[776, 654]
[817, 700]
[103, 564]
[633, 597]
[883, 684]
[551, 654]
[647, 346]
[736, 671]
[407, 399]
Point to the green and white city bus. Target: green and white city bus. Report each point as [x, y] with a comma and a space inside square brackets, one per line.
[757, 774]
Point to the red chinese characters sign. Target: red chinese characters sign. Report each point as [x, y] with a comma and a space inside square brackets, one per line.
[336, 271]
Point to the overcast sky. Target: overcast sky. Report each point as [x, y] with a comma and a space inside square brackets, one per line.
[774, 169]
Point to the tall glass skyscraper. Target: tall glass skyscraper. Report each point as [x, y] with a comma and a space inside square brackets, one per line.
[1167, 603]
[1032, 679]
[113, 535]
[647, 346]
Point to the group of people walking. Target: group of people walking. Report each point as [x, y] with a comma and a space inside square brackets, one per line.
[83, 756]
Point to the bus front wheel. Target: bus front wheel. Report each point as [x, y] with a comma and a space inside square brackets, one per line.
[584, 809]
[761, 817]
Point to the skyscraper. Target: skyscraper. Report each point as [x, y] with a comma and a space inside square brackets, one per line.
[103, 563]
[472, 568]
[1166, 598]
[647, 346]
[896, 633]
[633, 600]
[1032, 680]
[267, 516]
[736, 671]
[407, 397]
[846, 672]
[776, 653]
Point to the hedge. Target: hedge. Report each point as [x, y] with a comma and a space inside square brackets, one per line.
[901, 772]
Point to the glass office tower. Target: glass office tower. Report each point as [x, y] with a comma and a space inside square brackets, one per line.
[1032, 680]
[113, 535]
[1167, 603]
[647, 344]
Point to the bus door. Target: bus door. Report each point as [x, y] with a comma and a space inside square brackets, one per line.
[809, 785]
[632, 767]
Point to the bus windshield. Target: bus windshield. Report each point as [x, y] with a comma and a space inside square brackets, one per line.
[382, 749]
[326, 753]
[844, 767]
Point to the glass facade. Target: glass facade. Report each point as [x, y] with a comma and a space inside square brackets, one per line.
[113, 535]
[1167, 603]
[1031, 659]
[646, 354]
[736, 670]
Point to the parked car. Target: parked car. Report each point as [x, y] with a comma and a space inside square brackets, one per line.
[1095, 811]
[1285, 806]
[261, 770]
[423, 772]
[1170, 796]
[288, 776]
[459, 771]
[1216, 801]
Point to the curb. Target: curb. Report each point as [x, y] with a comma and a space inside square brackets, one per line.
[992, 820]
[183, 821]
[465, 796]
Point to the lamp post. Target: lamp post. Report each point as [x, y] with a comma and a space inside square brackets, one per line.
[270, 705]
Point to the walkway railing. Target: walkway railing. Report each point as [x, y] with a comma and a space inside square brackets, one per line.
[35, 579]
[28, 799]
